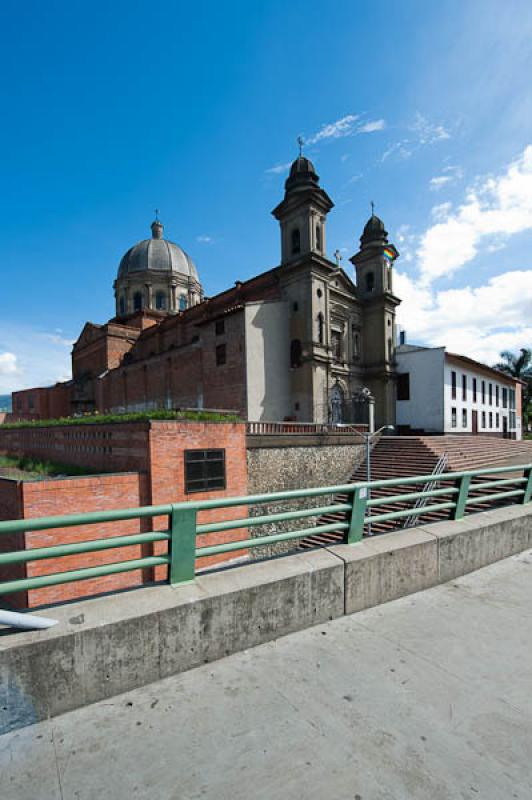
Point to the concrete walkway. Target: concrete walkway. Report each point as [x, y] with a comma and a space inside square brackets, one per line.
[427, 697]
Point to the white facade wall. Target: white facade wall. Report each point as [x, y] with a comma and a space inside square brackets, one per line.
[425, 408]
[465, 407]
[267, 361]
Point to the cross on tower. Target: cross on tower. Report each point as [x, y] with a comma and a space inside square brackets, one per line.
[300, 142]
[372, 204]
[156, 215]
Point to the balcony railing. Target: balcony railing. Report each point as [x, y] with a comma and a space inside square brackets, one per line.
[280, 428]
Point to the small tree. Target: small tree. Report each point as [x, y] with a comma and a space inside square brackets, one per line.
[519, 366]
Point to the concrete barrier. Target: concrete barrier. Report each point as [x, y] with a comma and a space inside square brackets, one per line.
[387, 567]
[108, 645]
[476, 541]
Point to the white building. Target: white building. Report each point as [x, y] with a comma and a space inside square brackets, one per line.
[440, 392]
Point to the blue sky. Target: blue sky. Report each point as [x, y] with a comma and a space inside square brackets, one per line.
[112, 109]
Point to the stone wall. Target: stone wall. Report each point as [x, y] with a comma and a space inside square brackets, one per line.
[282, 469]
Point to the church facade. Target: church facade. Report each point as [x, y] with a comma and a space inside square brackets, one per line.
[299, 342]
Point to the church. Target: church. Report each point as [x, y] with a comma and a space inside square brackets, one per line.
[300, 342]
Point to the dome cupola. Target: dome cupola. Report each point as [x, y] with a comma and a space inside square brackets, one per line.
[156, 274]
[374, 232]
[302, 175]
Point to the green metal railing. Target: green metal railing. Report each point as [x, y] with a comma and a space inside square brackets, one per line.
[184, 534]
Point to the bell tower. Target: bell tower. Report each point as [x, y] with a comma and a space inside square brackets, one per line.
[374, 271]
[302, 213]
[374, 261]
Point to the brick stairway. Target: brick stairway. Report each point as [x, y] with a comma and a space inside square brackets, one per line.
[404, 456]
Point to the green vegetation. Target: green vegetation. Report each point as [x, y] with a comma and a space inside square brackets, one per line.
[41, 469]
[519, 366]
[142, 416]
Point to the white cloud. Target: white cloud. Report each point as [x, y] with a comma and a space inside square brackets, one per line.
[496, 207]
[439, 182]
[441, 211]
[278, 169]
[422, 133]
[427, 132]
[204, 239]
[29, 357]
[8, 364]
[372, 126]
[479, 322]
[335, 130]
[451, 174]
[57, 339]
[402, 150]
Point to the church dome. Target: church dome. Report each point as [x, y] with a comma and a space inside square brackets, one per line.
[374, 231]
[158, 255]
[302, 174]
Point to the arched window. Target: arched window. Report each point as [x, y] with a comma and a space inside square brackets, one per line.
[160, 301]
[138, 301]
[182, 302]
[370, 281]
[320, 328]
[318, 237]
[122, 304]
[296, 241]
[295, 353]
[356, 343]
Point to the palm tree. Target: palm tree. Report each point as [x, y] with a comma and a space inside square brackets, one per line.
[519, 366]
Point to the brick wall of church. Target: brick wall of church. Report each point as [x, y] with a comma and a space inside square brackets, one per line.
[185, 376]
[154, 452]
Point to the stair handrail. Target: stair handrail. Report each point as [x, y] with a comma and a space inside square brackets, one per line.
[440, 467]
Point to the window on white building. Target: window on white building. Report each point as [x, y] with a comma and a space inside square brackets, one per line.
[453, 417]
[464, 418]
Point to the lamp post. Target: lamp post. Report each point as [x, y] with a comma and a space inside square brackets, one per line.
[368, 437]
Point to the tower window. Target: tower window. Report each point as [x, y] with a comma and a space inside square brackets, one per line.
[138, 301]
[356, 343]
[219, 328]
[318, 237]
[160, 301]
[295, 353]
[182, 302]
[296, 241]
[122, 304]
[320, 328]
[337, 345]
[221, 355]
[370, 281]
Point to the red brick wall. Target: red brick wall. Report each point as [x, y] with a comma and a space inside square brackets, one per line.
[168, 373]
[119, 447]
[168, 442]
[71, 496]
[59, 400]
[31, 404]
[11, 508]
[157, 448]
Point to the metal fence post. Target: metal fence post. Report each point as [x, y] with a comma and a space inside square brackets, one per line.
[462, 485]
[358, 512]
[182, 545]
[527, 497]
